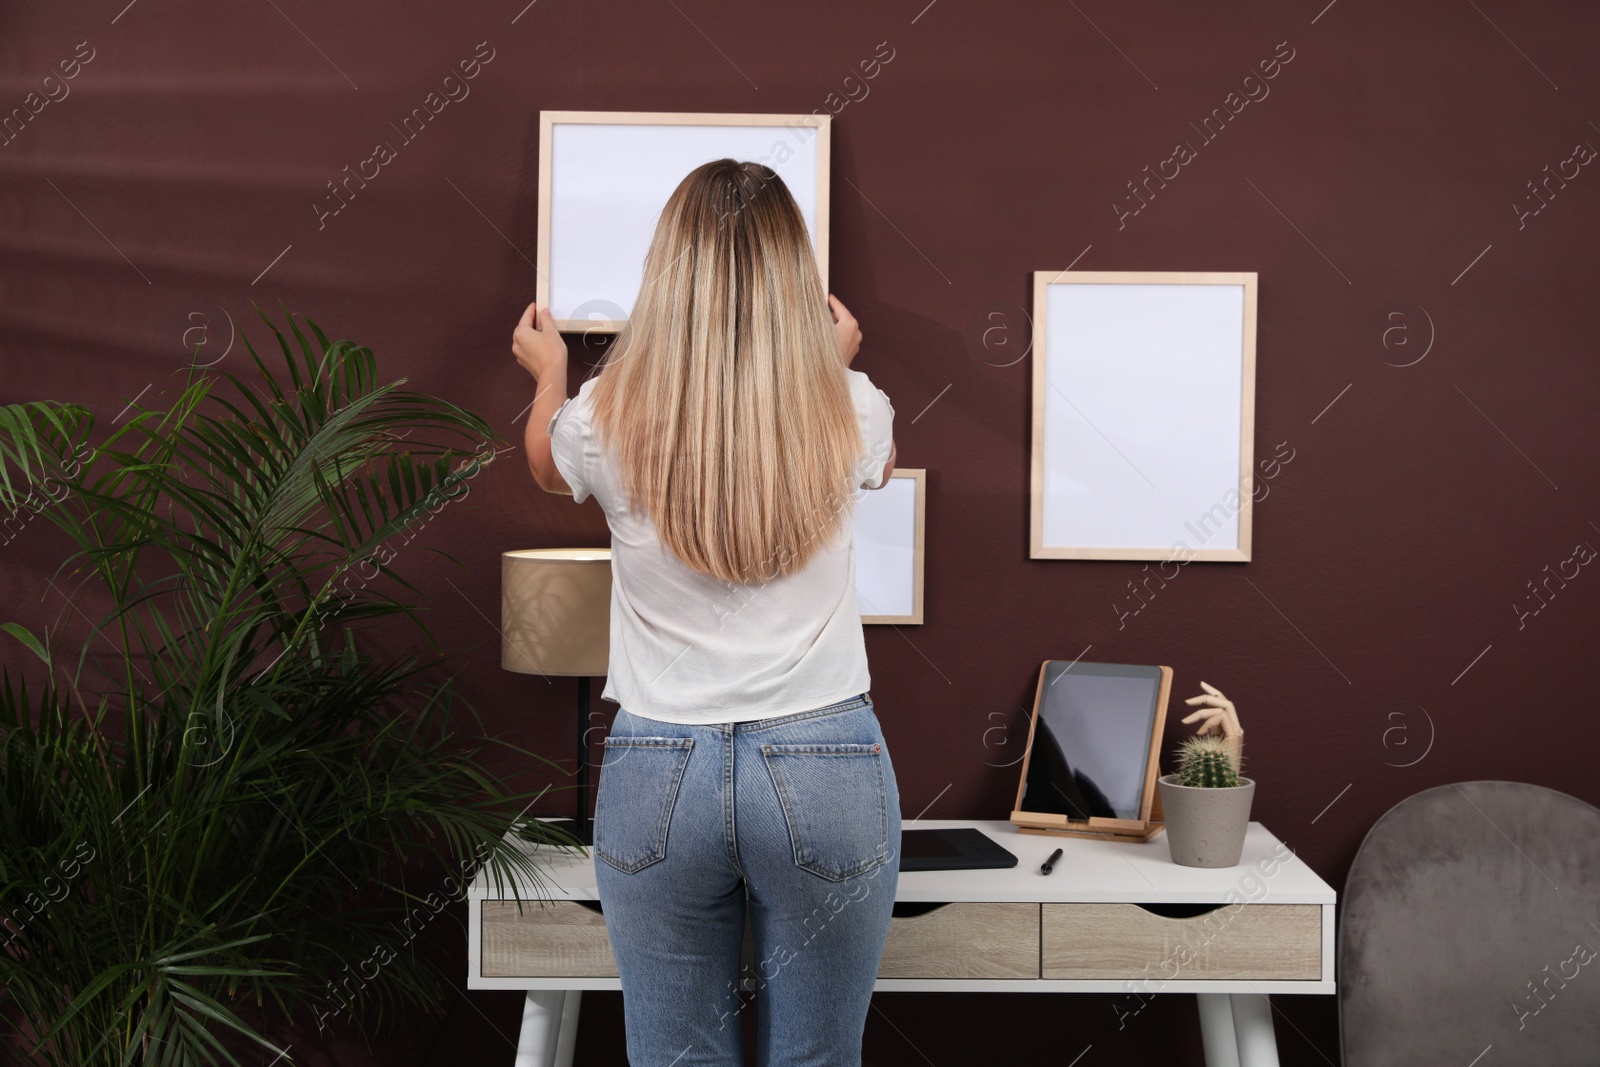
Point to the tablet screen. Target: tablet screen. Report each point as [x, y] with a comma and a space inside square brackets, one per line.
[1092, 740]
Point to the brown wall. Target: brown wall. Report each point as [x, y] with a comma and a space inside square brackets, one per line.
[1385, 161]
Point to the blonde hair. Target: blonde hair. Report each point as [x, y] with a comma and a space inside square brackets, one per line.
[724, 399]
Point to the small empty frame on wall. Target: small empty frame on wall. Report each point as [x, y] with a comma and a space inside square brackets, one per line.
[604, 177]
[889, 526]
[1143, 414]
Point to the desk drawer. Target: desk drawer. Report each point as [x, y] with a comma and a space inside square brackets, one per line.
[550, 938]
[1250, 941]
[963, 940]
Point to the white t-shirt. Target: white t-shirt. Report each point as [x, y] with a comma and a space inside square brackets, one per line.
[687, 648]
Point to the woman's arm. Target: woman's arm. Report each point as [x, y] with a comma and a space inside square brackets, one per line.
[888, 468]
[849, 332]
[846, 327]
[543, 354]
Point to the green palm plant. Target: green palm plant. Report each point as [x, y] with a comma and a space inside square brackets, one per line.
[221, 810]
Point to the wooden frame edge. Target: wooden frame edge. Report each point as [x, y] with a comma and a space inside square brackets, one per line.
[824, 125]
[1247, 415]
[1027, 751]
[1229, 555]
[1036, 547]
[541, 220]
[1158, 729]
[685, 118]
[1249, 281]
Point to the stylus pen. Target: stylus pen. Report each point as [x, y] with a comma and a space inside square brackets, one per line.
[1050, 863]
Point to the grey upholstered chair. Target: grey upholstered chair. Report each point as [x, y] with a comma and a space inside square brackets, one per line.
[1470, 932]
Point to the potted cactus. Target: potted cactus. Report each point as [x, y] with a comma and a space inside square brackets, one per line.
[1206, 804]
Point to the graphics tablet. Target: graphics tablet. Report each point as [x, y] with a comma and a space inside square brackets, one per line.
[964, 848]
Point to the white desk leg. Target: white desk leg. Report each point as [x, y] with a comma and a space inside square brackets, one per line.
[567, 1041]
[1252, 1025]
[1216, 1029]
[549, 1028]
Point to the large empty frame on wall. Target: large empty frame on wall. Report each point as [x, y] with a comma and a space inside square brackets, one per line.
[1143, 414]
[604, 177]
[889, 530]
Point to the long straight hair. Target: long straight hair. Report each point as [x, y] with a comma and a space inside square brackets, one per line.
[724, 398]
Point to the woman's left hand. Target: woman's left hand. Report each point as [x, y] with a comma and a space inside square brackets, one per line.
[845, 325]
[537, 344]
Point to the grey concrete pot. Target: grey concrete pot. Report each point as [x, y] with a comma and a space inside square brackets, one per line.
[1206, 827]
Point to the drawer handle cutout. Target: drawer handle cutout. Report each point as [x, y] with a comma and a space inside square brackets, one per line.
[1181, 911]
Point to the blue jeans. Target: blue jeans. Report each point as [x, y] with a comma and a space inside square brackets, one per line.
[801, 815]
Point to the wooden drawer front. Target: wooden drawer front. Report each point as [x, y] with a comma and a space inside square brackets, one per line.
[964, 940]
[549, 938]
[1250, 941]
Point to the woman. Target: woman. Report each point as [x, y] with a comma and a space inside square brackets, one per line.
[726, 437]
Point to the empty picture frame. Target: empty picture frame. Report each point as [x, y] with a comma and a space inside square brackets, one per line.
[604, 177]
[889, 525]
[1143, 414]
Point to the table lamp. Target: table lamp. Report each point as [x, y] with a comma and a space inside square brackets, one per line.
[555, 619]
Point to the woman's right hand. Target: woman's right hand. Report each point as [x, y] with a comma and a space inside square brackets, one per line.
[537, 345]
[848, 329]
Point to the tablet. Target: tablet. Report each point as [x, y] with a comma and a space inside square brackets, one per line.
[1092, 757]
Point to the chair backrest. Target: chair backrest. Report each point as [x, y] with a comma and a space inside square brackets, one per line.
[1470, 931]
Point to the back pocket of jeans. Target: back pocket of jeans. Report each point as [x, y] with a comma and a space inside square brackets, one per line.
[836, 804]
[638, 788]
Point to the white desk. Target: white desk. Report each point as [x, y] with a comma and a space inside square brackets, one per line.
[1087, 928]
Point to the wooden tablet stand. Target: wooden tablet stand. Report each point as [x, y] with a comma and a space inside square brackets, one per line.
[1150, 821]
[1136, 831]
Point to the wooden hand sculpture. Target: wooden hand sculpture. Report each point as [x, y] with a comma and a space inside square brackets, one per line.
[1218, 715]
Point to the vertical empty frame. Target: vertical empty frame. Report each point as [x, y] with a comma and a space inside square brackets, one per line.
[604, 177]
[1143, 414]
[889, 556]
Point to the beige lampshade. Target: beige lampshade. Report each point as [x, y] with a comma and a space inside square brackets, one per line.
[555, 611]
